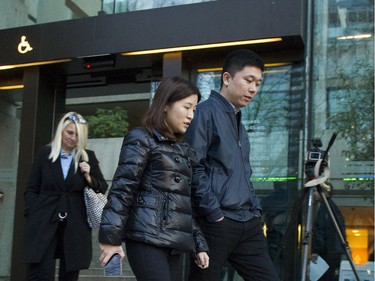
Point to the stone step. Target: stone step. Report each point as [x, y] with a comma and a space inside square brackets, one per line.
[100, 277]
[105, 278]
[97, 274]
[100, 272]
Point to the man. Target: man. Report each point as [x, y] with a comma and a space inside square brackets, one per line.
[228, 210]
[326, 241]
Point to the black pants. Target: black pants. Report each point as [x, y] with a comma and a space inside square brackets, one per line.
[150, 263]
[45, 270]
[242, 244]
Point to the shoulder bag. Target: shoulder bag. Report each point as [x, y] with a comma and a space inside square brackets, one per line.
[95, 203]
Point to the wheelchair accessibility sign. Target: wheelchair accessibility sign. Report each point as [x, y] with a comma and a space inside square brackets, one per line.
[24, 46]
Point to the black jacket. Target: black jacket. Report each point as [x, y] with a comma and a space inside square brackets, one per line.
[223, 188]
[325, 239]
[149, 200]
[48, 193]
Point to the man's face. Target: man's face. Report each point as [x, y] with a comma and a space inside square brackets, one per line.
[241, 88]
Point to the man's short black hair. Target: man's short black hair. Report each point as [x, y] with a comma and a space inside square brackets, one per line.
[238, 59]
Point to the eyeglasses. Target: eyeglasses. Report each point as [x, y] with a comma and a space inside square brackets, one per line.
[75, 118]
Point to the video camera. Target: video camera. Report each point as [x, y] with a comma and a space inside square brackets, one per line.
[313, 156]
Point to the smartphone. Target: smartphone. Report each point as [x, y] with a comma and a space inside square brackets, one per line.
[113, 266]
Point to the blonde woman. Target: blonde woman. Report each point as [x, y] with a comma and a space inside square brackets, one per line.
[55, 216]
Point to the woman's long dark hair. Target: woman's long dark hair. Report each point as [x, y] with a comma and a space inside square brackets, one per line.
[170, 90]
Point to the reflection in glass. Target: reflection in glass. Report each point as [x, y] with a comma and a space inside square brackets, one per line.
[343, 102]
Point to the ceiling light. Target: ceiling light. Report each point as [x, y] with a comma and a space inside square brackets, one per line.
[216, 69]
[204, 46]
[11, 87]
[5, 67]
[358, 36]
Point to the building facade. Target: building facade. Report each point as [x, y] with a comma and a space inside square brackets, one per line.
[75, 55]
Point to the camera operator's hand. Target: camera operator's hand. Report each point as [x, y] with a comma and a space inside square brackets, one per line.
[314, 257]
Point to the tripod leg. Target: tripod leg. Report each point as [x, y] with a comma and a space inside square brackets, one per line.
[306, 242]
[343, 242]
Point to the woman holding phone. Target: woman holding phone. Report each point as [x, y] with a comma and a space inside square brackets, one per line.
[149, 203]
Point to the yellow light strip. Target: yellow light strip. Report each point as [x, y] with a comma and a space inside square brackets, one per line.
[4, 67]
[204, 46]
[213, 69]
[358, 36]
[277, 64]
[11, 87]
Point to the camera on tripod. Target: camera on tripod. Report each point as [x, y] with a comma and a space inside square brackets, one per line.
[313, 156]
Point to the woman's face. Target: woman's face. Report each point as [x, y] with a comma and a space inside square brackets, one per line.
[178, 115]
[69, 137]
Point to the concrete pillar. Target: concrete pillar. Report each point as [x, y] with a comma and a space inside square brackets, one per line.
[172, 64]
[43, 99]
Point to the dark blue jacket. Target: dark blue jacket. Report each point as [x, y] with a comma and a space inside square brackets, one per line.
[223, 186]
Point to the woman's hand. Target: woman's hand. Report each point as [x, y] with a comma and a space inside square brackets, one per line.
[202, 260]
[107, 251]
[85, 169]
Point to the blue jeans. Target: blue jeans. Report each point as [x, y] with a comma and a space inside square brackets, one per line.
[151, 263]
[242, 244]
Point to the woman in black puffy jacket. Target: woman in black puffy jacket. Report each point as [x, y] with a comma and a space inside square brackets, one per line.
[149, 205]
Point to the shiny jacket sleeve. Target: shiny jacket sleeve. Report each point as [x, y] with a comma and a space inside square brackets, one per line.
[199, 240]
[132, 161]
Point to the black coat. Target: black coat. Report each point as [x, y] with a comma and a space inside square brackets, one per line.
[325, 240]
[149, 200]
[47, 194]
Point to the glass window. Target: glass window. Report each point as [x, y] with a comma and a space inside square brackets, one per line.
[136, 5]
[29, 12]
[343, 102]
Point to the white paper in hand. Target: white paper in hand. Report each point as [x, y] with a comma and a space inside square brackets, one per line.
[318, 267]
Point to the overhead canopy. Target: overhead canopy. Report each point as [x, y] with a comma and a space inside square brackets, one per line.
[203, 23]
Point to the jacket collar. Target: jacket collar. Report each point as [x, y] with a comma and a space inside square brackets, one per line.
[227, 106]
[160, 137]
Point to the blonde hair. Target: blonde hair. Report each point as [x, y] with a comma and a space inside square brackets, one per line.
[82, 132]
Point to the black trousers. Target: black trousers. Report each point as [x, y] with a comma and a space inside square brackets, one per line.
[242, 244]
[151, 263]
[45, 270]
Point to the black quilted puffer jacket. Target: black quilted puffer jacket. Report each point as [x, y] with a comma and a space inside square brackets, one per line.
[149, 200]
